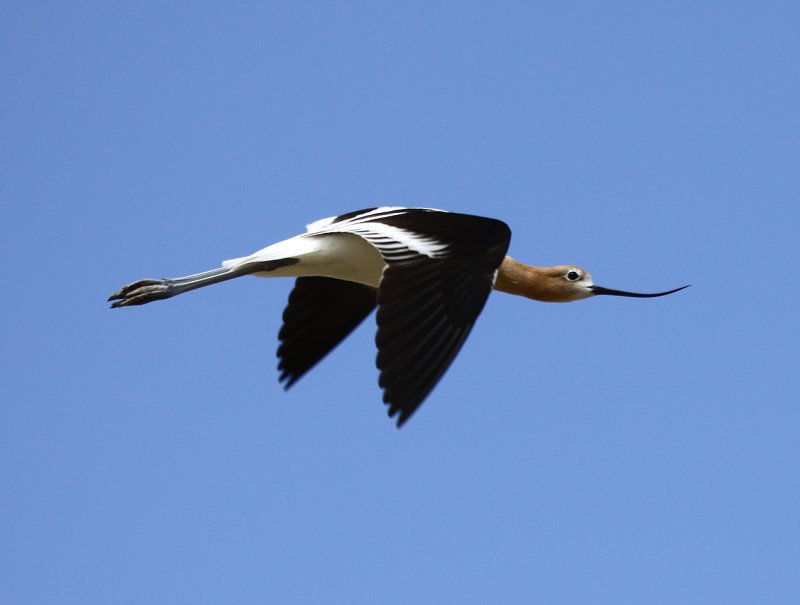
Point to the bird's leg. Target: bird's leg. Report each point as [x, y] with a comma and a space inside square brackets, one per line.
[148, 290]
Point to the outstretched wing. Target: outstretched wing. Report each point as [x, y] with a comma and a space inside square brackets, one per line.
[427, 304]
[320, 313]
[440, 269]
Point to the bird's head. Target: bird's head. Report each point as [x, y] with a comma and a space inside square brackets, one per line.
[566, 283]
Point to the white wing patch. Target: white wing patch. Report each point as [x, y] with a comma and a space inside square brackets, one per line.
[396, 240]
[398, 243]
[322, 223]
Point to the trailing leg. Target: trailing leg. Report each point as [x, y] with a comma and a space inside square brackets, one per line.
[148, 290]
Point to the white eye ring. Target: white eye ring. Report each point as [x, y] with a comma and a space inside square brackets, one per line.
[573, 275]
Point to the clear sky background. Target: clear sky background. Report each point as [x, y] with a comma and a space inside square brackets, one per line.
[606, 451]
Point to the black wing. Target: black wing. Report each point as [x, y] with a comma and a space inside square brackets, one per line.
[320, 313]
[440, 269]
[428, 305]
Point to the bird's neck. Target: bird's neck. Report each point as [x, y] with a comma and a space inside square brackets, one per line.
[514, 277]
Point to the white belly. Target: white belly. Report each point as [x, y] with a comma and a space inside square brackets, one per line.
[338, 255]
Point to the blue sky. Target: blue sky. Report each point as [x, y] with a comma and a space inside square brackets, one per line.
[607, 451]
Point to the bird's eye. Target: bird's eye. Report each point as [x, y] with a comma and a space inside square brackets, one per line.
[573, 275]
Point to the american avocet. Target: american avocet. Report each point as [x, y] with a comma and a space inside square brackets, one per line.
[429, 272]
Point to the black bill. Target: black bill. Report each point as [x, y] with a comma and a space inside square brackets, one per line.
[610, 292]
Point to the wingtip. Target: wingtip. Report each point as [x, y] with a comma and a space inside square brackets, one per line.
[287, 379]
[394, 410]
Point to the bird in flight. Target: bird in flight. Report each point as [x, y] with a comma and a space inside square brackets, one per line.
[428, 272]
